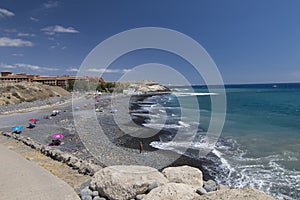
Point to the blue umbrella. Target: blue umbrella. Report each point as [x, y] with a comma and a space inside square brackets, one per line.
[17, 128]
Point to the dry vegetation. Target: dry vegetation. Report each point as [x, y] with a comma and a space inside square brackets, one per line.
[14, 93]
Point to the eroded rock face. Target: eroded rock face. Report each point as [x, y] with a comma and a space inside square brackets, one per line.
[172, 191]
[236, 194]
[184, 174]
[126, 182]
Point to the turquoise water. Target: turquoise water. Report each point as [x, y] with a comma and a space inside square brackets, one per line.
[260, 141]
[264, 120]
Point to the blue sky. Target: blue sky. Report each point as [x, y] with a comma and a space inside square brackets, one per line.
[251, 41]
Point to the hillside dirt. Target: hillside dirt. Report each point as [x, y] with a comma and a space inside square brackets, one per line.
[14, 93]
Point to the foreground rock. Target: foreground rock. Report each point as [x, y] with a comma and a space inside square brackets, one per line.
[236, 194]
[125, 182]
[172, 191]
[184, 174]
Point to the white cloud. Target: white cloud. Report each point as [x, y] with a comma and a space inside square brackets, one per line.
[50, 4]
[51, 30]
[35, 67]
[26, 34]
[17, 54]
[72, 70]
[100, 70]
[9, 42]
[34, 19]
[13, 30]
[8, 66]
[6, 13]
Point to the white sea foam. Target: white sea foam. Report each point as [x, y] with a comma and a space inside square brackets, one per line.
[146, 115]
[181, 123]
[166, 126]
[179, 147]
[194, 93]
[223, 160]
[264, 173]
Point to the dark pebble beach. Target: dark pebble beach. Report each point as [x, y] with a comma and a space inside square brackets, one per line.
[114, 147]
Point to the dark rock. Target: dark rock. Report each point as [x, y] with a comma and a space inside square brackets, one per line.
[210, 185]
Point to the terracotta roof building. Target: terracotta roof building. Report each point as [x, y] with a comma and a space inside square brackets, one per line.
[62, 81]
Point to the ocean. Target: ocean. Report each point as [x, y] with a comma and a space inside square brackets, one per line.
[260, 143]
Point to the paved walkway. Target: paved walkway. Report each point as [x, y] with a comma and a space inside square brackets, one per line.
[21, 179]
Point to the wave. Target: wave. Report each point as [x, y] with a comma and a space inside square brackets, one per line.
[146, 115]
[194, 93]
[166, 126]
[264, 173]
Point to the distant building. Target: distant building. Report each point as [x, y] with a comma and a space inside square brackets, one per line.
[5, 73]
[62, 81]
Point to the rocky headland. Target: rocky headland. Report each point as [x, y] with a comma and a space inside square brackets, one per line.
[142, 87]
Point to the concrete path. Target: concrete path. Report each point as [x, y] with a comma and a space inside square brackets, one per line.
[21, 179]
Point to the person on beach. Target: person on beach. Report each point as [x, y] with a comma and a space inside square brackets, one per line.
[31, 125]
[56, 142]
[141, 147]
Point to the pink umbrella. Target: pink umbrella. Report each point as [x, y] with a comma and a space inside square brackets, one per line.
[57, 136]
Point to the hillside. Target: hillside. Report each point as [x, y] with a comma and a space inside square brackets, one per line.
[14, 93]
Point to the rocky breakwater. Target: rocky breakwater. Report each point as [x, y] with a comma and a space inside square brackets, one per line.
[146, 183]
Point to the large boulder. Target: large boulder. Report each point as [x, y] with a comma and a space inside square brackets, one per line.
[236, 194]
[172, 191]
[125, 182]
[184, 174]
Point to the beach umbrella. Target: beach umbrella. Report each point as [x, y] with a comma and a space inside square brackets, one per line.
[34, 120]
[17, 128]
[57, 136]
[113, 110]
[56, 111]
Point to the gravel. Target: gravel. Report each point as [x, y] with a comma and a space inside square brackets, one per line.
[111, 147]
[29, 105]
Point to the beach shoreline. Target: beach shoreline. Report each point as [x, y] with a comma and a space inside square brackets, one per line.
[73, 142]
